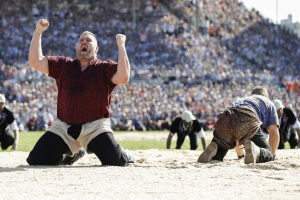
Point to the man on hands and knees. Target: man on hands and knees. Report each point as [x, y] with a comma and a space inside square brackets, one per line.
[7, 124]
[289, 124]
[240, 127]
[186, 125]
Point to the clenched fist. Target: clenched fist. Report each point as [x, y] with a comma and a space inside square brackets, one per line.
[41, 25]
[121, 39]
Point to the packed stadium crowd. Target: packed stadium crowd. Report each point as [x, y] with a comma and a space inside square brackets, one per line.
[175, 66]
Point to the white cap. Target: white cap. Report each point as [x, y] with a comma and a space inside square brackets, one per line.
[187, 116]
[278, 104]
[2, 98]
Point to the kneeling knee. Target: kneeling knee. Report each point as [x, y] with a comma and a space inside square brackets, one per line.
[30, 161]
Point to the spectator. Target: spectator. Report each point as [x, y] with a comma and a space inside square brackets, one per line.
[32, 124]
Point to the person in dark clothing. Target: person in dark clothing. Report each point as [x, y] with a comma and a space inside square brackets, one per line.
[186, 125]
[240, 127]
[7, 124]
[289, 124]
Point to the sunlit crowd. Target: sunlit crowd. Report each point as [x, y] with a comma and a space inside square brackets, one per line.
[177, 61]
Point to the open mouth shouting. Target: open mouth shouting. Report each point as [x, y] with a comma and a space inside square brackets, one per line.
[83, 51]
[84, 48]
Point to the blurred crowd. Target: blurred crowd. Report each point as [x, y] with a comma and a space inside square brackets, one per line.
[179, 61]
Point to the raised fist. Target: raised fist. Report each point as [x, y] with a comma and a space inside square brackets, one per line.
[120, 39]
[42, 25]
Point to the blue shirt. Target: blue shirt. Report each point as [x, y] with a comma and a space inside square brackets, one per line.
[262, 106]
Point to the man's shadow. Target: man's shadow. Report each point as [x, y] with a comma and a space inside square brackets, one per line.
[26, 167]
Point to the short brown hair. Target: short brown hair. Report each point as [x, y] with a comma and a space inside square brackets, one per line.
[85, 33]
[260, 90]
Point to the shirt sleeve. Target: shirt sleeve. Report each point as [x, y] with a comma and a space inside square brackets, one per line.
[9, 116]
[175, 125]
[196, 125]
[291, 116]
[110, 70]
[272, 117]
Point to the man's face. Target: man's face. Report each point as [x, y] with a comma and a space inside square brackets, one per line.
[1, 106]
[87, 48]
[280, 112]
[186, 124]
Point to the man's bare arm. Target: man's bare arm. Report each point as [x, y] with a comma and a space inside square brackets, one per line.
[123, 72]
[273, 138]
[36, 58]
[169, 140]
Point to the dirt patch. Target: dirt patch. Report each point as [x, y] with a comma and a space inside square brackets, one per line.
[157, 174]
